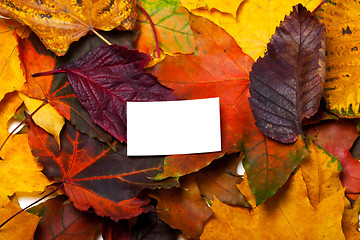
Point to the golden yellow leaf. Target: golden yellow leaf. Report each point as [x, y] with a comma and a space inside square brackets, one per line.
[47, 117]
[11, 75]
[342, 80]
[321, 173]
[21, 227]
[18, 170]
[287, 215]
[226, 7]
[255, 22]
[59, 23]
[8, 108]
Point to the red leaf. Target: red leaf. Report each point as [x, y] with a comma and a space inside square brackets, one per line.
[95, 176]
[286, 85]
[337, 137]
[61, 220]
[106, 78]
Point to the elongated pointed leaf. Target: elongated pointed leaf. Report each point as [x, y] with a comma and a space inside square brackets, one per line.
[109, 76]
[95, 176]
[286, 85]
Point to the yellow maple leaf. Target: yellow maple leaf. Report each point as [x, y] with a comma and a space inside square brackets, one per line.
[11, 75]
[287, 215]
[226, 7]
[21, 227]
[255, 22]
[321, 173]
[59, 23]
[342, 80]
[47, 117]
[18, 169]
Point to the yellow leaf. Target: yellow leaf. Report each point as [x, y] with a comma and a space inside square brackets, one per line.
[255, 22]
[11, 74]
[342, 80]
[287, 215]
[226, 7]
[21, 227]
[47, 117]
[59, 23]
[321, 173]
[351, 220]
[18, 170]
[8, 108]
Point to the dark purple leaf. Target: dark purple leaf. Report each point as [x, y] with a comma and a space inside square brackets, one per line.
[109, 76]
[287, 83]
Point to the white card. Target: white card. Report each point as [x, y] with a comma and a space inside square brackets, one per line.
[173, 127]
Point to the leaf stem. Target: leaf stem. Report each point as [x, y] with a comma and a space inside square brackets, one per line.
[101, 37]
[48, 72]
[27, 117]
[317, 8]
[40, 199]
[153, 29]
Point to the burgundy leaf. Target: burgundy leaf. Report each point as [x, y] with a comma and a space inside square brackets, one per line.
[287, 83]
[106, 78]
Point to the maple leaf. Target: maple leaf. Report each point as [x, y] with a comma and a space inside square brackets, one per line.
[342, 76]
[286, 84]
[288, 215]
[60, 219]
[90, 171]
[171, 23]
[255, 22]
[58, 24]
[22, 227]
[345, 133]
[106, 78]
[183, 208]
[199, 76]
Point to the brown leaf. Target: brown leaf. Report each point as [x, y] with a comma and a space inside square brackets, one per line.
[286, 84]
[183, 208]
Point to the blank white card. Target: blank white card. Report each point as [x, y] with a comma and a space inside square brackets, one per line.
[173, 127]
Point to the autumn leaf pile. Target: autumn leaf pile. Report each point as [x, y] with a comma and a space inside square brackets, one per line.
[287, 79]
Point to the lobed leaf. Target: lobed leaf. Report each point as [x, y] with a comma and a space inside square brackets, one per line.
[95, 176]
[286, 84]
[58, 24]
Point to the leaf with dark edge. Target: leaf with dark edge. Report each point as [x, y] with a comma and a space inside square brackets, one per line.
[61, 220]
[95, 176]
[219, 179]
[183, 208]
[111, 230]
[337, 137]
[286, 84]
[106, 78]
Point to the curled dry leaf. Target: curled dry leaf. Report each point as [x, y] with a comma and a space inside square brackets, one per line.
[95, 176]
[287, 83]
[59, 23]
[106, 78]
